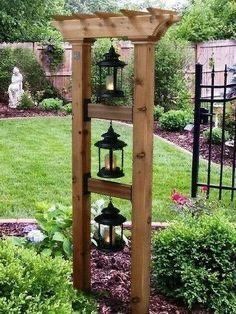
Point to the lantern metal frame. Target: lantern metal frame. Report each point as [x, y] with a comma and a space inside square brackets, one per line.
[110, 218]
[112, 65]
[111, 143]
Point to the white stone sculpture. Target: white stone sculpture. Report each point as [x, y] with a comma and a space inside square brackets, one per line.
[15, 89]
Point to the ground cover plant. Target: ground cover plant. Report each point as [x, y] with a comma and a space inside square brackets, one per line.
[194, 261]
[32, 283]
[35, 166]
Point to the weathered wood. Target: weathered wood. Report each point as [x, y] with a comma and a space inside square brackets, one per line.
[114, 189]
[81, 143]
[107, 112]
[144, 25]
[142, 176]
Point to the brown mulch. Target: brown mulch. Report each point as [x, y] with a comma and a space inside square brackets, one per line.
[110, 279]
[184, 139]
[6, 112]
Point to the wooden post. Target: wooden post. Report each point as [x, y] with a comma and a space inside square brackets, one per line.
[142, 175]
[81, 163]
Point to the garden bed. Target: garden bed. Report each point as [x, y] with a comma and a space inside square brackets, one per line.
[184, 139]
[110, 278]
[7, 112]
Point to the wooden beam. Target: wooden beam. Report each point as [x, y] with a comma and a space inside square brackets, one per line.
[107, 112]
[106, 15]
[83, 16]
[81, 161]
[143, 26]
[142, 176]
[155, 11]
[108, 188]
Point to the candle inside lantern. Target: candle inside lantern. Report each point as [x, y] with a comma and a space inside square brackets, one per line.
[108, 166]
[106, 235]
[109, 82]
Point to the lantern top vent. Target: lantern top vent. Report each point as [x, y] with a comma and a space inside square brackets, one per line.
[110, 216]
[110, 140]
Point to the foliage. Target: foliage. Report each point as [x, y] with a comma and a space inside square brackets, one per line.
[216, 137]
[53, 55]
[26, 20]
[88, 6]
[172, 58]
[26, 101]
[31, 70]
[32, 283]
[195, 262]
[68, 108]
[49, 104]
[174, 120]
[158, 111]
[194, 207]
[230, 120]
[216, 21]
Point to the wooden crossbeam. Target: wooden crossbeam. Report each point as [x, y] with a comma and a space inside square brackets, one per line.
[83, 16]
[133, 13]
[106, 15]
[155, 11]
[107, 112]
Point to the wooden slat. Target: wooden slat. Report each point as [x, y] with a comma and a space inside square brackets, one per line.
[106, 112]
[142, 176]
[62, 17]
[83, 16]
[106, 15]
[81, 163]
[155, 11]
[114, 189]
[132, 13]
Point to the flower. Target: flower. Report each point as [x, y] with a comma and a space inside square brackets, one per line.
[179, 198]
[204, 188]
[35, 236]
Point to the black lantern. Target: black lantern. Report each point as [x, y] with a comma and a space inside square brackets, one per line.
[110, 143]
[110, 70]
[110, 229]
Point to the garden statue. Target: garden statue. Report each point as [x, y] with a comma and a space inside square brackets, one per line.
[15, 89]
[232, 92]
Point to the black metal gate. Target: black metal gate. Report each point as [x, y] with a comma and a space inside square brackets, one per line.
[206, 117]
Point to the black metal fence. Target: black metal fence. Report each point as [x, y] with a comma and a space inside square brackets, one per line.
[216, 114]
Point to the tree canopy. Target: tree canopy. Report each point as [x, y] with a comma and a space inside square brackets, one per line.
[27, 20]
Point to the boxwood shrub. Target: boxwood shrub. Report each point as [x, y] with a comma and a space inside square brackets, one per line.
[216, 137]
[175, 120]
[31, 283]
[196, 263]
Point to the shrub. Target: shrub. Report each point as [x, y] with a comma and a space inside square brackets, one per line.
[195, 262]
[175, 120]
[158, 111]
[26, 101]
[32, 283]
[31, 70]
[216, 137]
[49, 104]
[68, 108]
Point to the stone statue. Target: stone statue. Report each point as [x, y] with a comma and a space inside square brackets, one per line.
[15, 89]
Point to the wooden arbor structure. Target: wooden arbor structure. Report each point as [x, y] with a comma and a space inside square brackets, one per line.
[143, 29]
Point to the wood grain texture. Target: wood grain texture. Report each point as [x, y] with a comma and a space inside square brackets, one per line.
[81, 161]
[142, 176]
[109, 188]
[106, 112]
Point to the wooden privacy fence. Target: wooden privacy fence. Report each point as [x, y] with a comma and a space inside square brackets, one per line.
[219, 53]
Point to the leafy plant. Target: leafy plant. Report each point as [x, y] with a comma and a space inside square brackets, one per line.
[68, 108]
[194, 261]
[216, 137]
[53, 54]
[37, 283]
[49, 104]
[175, 120]
[158, 111]
[26, 101]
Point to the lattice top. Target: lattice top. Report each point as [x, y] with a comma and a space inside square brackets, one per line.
[131, 24]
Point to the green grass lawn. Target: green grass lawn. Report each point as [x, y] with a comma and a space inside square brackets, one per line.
[35, 166]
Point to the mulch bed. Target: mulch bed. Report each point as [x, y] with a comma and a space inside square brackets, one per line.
[6, 112]
[110, 279]
[184, 139]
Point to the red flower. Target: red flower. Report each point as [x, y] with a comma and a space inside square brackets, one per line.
[204, 188]
[179, 198]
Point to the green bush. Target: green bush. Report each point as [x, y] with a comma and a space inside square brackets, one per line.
[158, 112]
[31, 283]
[68, 108]
[195, 262]
[49, 104]
[172, 58]
[175, 120]
[31, 70]
[216, 137]
[26, 101]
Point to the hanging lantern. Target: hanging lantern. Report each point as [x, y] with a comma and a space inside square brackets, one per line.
[110, 229]
[110, 76]
[112, 167]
